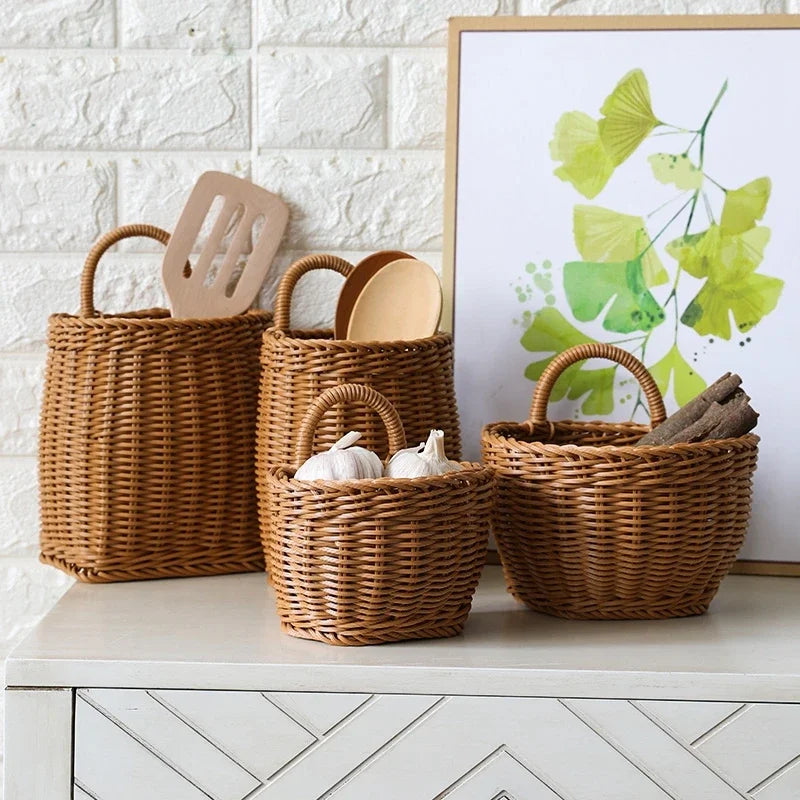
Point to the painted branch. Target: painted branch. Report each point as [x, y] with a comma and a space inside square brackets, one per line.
[718, 392]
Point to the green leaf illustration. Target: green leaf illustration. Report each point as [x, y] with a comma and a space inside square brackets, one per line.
[745, 205]
[728, 262]
[576, 143]
[590, 285]
[599, 383]
[686, 383]
[619, 264]
[739, 255]
[694, 251]
[605, 235]
[551, 333]
[627, 116]
[749, 299]
[676, 169]
[720, 256]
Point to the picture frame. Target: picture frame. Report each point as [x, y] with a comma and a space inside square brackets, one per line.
[509, 173]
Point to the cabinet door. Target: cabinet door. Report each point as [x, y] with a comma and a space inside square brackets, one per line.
[230, 745]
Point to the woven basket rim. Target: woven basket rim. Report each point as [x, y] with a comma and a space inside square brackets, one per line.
[157, 318]
[322, 337]
[502, 433]
[284, 476]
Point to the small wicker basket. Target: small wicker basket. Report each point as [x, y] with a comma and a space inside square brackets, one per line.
[415, 376]
[147, 440]
[371, 561]
[591, 526]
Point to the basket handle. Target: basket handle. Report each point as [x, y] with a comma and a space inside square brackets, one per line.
[283, 297]
[96, 253]
[349, 393]
[580, 352]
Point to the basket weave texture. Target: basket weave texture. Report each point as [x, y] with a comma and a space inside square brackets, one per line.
[146, 448]
[590, 526]
[370, 561]
[297, 365]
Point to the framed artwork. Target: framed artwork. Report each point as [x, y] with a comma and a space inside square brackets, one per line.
[630, 180]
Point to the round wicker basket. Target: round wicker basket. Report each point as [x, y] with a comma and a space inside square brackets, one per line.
[370, 561]
[591, 526]
[415, 376]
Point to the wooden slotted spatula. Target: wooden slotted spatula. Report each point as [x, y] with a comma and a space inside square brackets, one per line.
[187, 290]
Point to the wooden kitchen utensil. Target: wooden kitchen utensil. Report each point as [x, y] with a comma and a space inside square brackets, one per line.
[356, 281]
[189, 292]
[401, 301]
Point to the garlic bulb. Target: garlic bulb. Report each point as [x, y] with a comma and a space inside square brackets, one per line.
[342, 462]
[427, 459]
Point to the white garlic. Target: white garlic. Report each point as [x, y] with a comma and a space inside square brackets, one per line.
[342, 462]
[427, 459]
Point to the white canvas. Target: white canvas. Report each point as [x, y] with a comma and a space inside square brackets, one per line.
[511, 211]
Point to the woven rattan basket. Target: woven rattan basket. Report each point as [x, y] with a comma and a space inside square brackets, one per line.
[590, 526]
[415, 376]
[371, 561]
[147, 435]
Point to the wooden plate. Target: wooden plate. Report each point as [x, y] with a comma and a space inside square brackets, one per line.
[356, 281]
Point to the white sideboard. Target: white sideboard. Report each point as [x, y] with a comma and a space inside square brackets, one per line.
[187, 690]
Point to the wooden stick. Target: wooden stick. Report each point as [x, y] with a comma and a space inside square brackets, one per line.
[725, 420]
[698, 430]
[718, 392]
[739, 420]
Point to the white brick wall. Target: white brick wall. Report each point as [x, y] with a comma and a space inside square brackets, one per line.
[109, 109]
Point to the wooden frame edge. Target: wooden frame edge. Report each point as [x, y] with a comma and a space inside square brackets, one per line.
[451, 172]
[779, 569]
[632, 22]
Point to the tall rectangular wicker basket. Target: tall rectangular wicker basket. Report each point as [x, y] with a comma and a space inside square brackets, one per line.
[146, 450]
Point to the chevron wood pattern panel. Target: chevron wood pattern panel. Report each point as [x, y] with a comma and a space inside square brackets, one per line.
[228, 745]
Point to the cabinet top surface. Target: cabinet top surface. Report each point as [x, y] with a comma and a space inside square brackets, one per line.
[223, 633]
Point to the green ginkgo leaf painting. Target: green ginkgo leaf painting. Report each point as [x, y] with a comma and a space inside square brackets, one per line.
[589, 286]
[605, 235]
[628, 116]
[673, 368]
[744, 206]
[551, 333]
[718, 255]
[627, 277]
[586, 163]
[749, 300]
[676, 169]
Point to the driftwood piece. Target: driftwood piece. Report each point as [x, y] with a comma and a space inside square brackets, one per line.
[732, 418]
[700, 428]
[739, 420]
[718, 392]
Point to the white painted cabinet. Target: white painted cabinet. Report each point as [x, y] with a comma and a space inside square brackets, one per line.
[186, 690]
[230, 745]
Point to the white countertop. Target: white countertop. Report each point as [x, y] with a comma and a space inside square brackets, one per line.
[223, 633]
